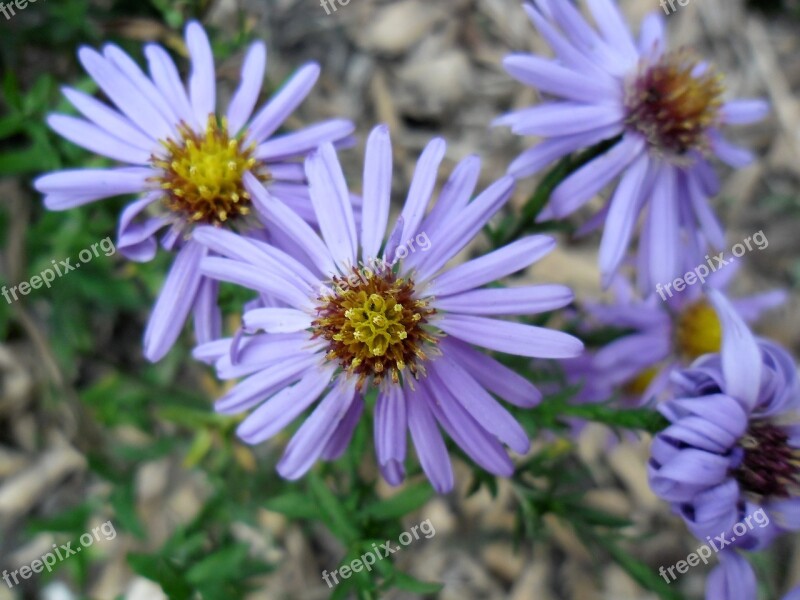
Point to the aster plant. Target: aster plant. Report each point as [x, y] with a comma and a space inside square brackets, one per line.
[185, 162]
[361, 324]
[661, 337]
[350, 313]
[732, 449]
[658, 112]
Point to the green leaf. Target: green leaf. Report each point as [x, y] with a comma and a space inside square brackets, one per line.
[123, 499]
[226, 561]
[294, 505]
[162, 572]
[334, 514]
[640, 572]
[72, 521]
[411, 584]
[406, 501]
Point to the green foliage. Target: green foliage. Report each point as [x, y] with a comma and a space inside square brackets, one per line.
[93, 321]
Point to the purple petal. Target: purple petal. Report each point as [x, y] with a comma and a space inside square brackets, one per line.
[110, 120]
[391, 424]
[258, 253]
[283, 103]
[429, 444]
[664, 229]
[549, 77]
[744, 112]
[202, 80]
[611, 24]
[733, 579]
[267, 381]
[247, 354]
[564, 49]
[507, 301]
[331, 200]
[793, 595]
[174, 302]
[622, 216]
[562, 118]
[645, 349]
[709, 223]
[284, 407]
[741, 357]
[277, 320]
[304, 140]
[95, 139]
[511, 338]
[450, 241]
[124, 94]
[167, 79]
[377, 191]
[73, 187]
[136, 241]
[254, 278]
[735, 156]
[539, 156]
[652, 36]
[207, 315]
[277, 213]
[146, 88]
[479, 444]
[477, 402]
[290, 171]
[246, 96]
[492, 266]
[308, 443]
[344, 430]
[455, 195]
[751, 307]
[583, 36]
[421, 188]
[492, 375]
[577, 189]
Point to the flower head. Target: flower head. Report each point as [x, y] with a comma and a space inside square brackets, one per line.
[733, 447]
[346, 313]
[186, 162]
[662, 110]
[661, 337]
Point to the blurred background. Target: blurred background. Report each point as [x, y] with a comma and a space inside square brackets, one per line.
[90, 432]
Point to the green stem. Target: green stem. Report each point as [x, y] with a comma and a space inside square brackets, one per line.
[541, 196]
[642, 419]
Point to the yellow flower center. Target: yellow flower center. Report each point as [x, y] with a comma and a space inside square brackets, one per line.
[639, 384]
[373, 324]
[673, 104]
[202, 174]
[698, 330]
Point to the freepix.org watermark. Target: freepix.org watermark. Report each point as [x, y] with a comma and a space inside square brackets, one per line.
[60, 553]
[331, 4]
[7, 8]
[360, 276]
[672, 8]
[713, 264]
[378, 552]
[59, 269]
[720, 542]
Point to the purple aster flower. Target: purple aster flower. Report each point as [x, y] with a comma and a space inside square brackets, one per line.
[186, 164]
[663, 336]
[663, 111]
[734, 579]
[346, 314]
[733, 446]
